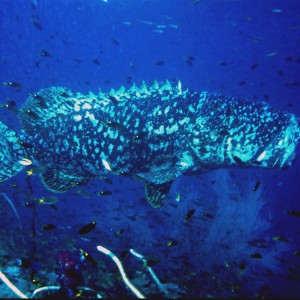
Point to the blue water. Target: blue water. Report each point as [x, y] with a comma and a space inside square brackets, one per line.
[247, 48]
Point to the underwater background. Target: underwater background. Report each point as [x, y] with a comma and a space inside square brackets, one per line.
[227, 233]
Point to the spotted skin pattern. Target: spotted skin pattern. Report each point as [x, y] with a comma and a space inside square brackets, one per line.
[152, 133]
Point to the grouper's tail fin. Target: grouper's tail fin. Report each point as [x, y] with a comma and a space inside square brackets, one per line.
[10, 153]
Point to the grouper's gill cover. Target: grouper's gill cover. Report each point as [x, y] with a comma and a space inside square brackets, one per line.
[151, 133]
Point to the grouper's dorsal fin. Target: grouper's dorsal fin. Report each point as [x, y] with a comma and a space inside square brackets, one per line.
[58, 181]
[156, 193]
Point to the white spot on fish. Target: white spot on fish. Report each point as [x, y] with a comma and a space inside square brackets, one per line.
[76, 106]
[106, 165]
[25, 162]
[262, 156]
[167, 109]
[77, 118]
[86, 106]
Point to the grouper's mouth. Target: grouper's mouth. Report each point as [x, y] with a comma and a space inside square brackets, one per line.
[280, 153]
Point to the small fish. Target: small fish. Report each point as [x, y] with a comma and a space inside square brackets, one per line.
[77, 60]
[53, 206]
[160, 63]
[189, 60]
[178, 197]
[120, 231]
[96, 62]
[189, 214]
[28, 204]
[158, 31]
[88, 257]
[151, 262]
[106, 179]
[48, 200]
[104, 193]
[207, 215]
[175, 26]
[139, 136]
[260, 243]
[293, 213]
[238, 160]
[280, 238]
[31, 114]
[223, 63]
[256, 186]
[129, 78]
[115, 42]
[132, 218]
[297, 252]
[132, 67]
[10, 105]
[48, 226]
[25, 145]
[272, 54]
[83, 193]
[123, 254]
[242, 82]
[289, 58]
[13, 84]
[40, 100]
[15, 186]
[35, 22]
[256, 255]
[147, 22]
[292, 83]
[25, 161]
[24, 262]
[45, 53]
[115, 125]
[64, 94]
[87, 228]
[277, 10]
[254, 66]
[113, 99]
[172, 243]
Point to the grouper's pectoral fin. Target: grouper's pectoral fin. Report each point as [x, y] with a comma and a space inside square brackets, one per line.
[58, 181]
[156, 193]
[157, 184]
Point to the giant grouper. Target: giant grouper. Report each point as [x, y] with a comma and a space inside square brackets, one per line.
[152, 133]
